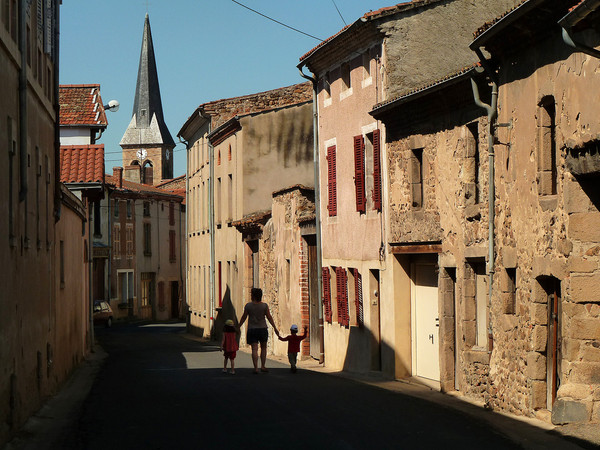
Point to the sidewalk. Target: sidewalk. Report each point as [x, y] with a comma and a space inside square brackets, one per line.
[44, 430]
[528, 433]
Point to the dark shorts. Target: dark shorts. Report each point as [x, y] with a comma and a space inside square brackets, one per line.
[257, 335]
[229, 355]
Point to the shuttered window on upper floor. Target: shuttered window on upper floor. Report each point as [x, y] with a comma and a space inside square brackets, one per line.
[359, 173]
[343, 314]
[331, 181]
[327, 294]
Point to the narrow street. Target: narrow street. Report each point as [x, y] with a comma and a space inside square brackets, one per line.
[159, 389]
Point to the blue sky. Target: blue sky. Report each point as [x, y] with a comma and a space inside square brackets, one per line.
[205, 50]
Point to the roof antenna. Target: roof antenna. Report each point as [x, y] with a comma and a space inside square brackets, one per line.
[333, 1]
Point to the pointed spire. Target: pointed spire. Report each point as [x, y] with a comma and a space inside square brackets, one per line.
[147, 123]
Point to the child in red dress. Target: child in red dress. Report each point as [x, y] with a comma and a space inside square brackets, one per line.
[229, 345]
[293, 345]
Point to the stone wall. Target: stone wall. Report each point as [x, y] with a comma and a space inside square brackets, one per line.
[284, 263]
[223, 110]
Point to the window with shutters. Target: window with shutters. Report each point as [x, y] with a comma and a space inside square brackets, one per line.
[171, 213]
[341, 277]
[116, 241]
[172, 255]
[147, 240]
[129, 249]
[359, 173]
[327, 294]
[376, 140]
[358, 298]
[331, 181]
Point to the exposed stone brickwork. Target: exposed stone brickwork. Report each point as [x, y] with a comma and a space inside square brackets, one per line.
[223, 110]
[284, 263]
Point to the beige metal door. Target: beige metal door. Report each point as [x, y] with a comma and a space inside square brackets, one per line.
[425, 321]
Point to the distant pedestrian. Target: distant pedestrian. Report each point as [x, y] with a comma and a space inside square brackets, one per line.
[229, 345]
[293, 341]
[257, 314]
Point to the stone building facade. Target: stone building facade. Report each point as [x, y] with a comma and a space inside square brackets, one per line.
[42, 244]
[532, 347]
[387, 51]
[287, 255]
[240, 150]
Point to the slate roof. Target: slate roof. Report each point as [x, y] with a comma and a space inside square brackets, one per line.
[81, 105]
[147, 125]
[82, 163]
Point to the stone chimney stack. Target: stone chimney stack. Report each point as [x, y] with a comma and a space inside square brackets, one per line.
[118, 176]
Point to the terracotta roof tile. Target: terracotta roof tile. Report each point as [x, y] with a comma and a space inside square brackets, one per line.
[81, 105]
[141, 188]
[82, 163]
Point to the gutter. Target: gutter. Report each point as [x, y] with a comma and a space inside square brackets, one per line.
[211, 218]
[492, 115]
[315, 105]
[55, 50]
[573, 18]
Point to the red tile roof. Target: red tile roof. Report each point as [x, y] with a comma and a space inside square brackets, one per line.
[141, 188]
[82, 163]
[81, 105]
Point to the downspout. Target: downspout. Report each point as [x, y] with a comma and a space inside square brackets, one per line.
[109, 244]
[90, 275]
[492, 115]
[314, 81]
[55, 50]
[578, 14]
[23, 109]
[211, 217]
[187, 250]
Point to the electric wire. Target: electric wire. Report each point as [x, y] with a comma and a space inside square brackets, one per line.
[276, 21]
[333, 1]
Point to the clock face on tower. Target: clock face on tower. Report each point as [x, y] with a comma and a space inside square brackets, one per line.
[141, 153]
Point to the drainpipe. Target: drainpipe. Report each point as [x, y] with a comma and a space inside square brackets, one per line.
[187, 250]
[109, 243]
[23, 107]
[313, 80]
[90, 275]
[211, 216]
[578, 14]
[492, 115]
[55, 54]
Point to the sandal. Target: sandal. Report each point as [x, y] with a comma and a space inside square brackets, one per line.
[264, 369]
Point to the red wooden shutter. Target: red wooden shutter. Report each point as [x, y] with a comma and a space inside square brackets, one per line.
[358, 298]
[171, 213]
[377, 169]
[359, 173]
[327, 294]
[342, 296]
[331, 182]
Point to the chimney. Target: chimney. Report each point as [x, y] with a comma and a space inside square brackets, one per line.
[118, 176]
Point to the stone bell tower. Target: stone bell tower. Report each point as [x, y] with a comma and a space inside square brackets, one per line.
[147, 143]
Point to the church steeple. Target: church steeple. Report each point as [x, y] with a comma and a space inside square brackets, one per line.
[147, 141]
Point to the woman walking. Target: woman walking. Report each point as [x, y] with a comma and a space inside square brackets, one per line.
[257, 314]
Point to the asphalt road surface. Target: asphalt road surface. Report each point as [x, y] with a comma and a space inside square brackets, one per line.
[159, 389]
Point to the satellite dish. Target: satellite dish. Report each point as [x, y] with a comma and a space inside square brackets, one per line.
[112, 105]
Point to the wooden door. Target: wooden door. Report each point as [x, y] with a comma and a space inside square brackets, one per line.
[313, 288]
[425, 321]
